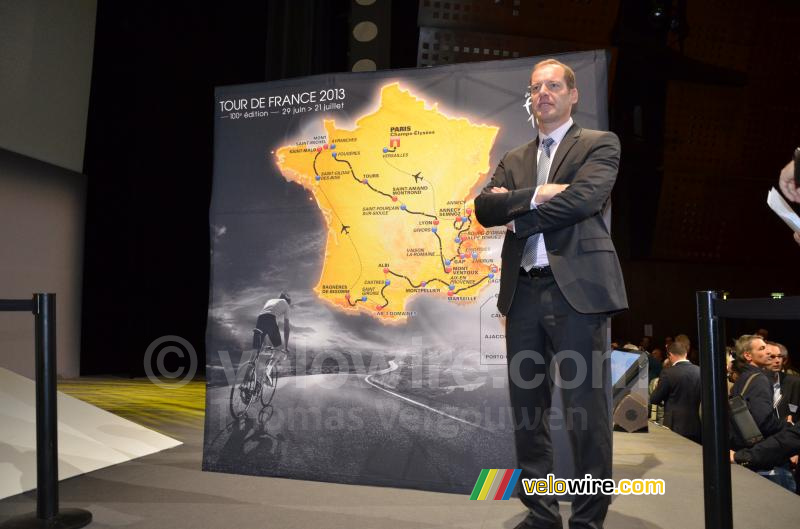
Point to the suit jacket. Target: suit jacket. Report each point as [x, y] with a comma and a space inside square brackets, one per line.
[679, 388]
[789, 405]
[575, 223]
[758, 398]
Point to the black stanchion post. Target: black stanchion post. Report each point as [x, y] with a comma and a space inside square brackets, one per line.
[46, 411]
[716, 461]
[47, 514]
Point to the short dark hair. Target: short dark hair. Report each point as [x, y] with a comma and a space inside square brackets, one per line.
[569, 73]
[677, 349]
[684, 339]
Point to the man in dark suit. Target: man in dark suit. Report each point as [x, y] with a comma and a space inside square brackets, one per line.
[786, 387]
[755, 388]
[752, 358]
[679, 389]
[560, 281]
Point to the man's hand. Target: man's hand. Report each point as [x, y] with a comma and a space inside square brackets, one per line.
[548, 191]
[733, 456]
[786, 183]
[510, 225]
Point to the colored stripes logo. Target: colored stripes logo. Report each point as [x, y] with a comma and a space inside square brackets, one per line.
[495, 484]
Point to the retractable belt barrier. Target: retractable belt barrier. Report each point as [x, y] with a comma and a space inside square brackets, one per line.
[43, 307]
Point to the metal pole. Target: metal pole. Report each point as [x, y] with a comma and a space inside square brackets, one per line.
[47, 514]
[46, 412]
[716, 462]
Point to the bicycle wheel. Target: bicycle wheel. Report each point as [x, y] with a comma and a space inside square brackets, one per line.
[270, 383]
[244, 392]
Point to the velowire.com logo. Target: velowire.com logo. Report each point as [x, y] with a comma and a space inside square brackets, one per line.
[495, 484]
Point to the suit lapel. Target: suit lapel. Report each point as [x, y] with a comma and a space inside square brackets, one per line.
[569, 141]
[528, 178]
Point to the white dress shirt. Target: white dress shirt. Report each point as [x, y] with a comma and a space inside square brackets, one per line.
[557, 136]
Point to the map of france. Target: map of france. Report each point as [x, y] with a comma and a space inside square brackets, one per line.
[394, 193]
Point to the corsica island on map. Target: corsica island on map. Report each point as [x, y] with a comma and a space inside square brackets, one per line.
[393, 191]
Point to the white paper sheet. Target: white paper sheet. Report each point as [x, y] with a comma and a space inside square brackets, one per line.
[776, 202]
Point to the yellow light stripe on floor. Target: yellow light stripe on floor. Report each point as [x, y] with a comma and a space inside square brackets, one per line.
[141, 401]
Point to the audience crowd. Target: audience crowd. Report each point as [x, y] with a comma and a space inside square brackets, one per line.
[760, 372]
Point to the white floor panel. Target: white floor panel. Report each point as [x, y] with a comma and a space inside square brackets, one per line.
[88, 438]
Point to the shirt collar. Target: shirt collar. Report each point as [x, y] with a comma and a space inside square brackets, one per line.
[681, 360]
[558, 134]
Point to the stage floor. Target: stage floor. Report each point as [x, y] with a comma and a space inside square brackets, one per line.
[168, 489]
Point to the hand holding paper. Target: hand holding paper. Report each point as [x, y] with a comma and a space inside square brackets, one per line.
[787, 183]
[776, 202]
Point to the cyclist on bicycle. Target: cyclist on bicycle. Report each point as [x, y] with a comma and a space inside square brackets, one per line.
[267, 323]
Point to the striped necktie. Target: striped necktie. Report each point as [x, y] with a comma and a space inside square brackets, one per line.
[543, 168]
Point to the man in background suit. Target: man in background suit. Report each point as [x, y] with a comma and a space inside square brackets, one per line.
[679, 389]
[785, 387]
[753, 385]
[560, 281]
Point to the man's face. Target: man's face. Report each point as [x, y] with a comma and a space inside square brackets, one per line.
[551, 100]
[758, 354]
[776, 363]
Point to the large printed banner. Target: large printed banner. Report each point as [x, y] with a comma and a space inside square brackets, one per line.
[351, 194]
